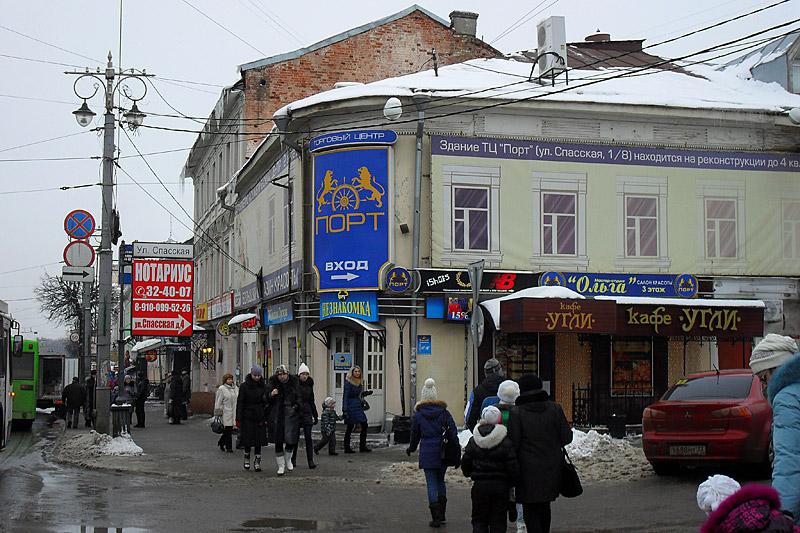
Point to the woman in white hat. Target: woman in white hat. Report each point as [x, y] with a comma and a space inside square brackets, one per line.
[308, 412]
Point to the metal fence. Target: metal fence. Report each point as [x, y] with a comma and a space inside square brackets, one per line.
[592, 406]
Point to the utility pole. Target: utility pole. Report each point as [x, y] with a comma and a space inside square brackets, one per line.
[134, 118]
[86, 334]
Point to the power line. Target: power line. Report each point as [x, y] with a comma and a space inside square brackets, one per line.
[522, 20]
[275, 24]
[49, 44]
[223, 27]
[37, 99]
[33, 159]
[32, 60]
[30, 268]
[45, 140]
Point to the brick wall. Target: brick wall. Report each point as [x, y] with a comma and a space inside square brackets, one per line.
[393, 49]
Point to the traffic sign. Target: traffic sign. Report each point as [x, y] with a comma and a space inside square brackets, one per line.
[79, 254]
[162, 299]
[79, 224]
[163, 250]
[74, 337]
[72, 273]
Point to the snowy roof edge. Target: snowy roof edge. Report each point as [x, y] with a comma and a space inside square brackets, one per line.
[341, 37]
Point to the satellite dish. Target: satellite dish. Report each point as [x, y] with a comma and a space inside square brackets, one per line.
[794, 114]
[393, 108]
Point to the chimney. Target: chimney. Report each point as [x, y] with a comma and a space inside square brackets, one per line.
[598, 37]
[464, 23]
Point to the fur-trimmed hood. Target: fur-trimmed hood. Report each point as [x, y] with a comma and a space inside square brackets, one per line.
[488, 436]
[787, 374]
[431, 403]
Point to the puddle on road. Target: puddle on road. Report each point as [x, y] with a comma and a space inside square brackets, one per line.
[94, 529]
[296, 524]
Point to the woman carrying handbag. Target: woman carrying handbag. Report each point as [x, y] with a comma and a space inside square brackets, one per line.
[225, 408]
[539, 431]
[433, 430]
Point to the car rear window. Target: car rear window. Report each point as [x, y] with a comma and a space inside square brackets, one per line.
[711, 388]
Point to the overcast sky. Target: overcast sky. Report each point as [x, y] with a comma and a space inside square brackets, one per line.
[172, 39]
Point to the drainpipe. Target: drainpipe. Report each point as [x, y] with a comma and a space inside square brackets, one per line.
[421, 100]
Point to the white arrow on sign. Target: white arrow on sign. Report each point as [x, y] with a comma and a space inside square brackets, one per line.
[71, 273]
[173, 326]
[347, 277]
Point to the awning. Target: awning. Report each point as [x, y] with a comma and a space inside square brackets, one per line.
[493, 306]
[244, 317]
[147, 344]
[320, 329]
[198, 328]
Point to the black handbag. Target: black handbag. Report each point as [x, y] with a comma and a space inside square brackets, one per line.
[570, 486]
[364, 405]
[451, 448]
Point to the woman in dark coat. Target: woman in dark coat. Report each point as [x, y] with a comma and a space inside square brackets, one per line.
[250, 420]
[538, 429]
[353, 410]
[177, 405]
[308, 413]
[426, 432]
[283, 417]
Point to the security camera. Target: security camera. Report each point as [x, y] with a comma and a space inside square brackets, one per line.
[794, 115]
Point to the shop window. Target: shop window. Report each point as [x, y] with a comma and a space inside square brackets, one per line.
[558, 223]
[641, 226]
[791, 230]
[470, 215]
[517, 352]
[720, 228]
[632, 367]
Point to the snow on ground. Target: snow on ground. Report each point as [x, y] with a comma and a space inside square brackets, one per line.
[86, 446]
[597, 457]
[48, 411]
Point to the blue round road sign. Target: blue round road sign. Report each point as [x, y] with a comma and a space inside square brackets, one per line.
[79, 224]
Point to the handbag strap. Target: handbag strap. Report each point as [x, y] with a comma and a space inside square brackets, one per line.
[566, 455]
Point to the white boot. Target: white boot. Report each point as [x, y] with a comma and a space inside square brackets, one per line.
[288, 460]
[281, 464]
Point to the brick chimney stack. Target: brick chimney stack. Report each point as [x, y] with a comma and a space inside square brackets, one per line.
[464, 23]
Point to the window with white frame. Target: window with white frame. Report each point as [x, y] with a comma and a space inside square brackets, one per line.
[470, 218]
[559, 218]
[720, 224]
[791, 229]
[641, 226]
[470, 223]
[226, 266]
[286, 216]
[271, 225]
[795, 74]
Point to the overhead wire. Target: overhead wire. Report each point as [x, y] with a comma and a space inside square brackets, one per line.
[223, 27]
[522, 20]
[49, 44]
[274, 24]
[33, 143]
[30, 268]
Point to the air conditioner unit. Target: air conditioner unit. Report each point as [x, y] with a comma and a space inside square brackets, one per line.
[551, 41]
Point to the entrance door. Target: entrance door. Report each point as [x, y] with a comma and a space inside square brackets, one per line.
[373, 373]
[342, 356]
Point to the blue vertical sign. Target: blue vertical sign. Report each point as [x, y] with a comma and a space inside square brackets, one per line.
[351, 217]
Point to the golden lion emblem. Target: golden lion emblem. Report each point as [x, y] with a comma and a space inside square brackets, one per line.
[364, 183]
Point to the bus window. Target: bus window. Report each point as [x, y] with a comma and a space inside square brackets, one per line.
[22, 366]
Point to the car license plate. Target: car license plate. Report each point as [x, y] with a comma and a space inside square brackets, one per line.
[686, 450]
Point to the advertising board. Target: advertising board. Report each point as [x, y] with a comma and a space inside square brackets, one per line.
[162, 298]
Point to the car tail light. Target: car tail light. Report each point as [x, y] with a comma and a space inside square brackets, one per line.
[654, 414]
[732, 412]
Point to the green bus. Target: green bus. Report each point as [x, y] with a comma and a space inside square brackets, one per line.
[25, 383]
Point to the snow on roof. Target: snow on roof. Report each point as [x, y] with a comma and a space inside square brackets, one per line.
[504, 78]
[743, 65]
[493, 306]
[684, 302]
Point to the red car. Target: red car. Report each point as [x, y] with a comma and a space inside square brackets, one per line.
[709, 418]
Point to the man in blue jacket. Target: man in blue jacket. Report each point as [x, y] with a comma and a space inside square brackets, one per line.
[777, 364]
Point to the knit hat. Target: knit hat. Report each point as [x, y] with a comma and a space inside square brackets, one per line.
[491, 415]
[492, 366]
[714, 490]
[281, 369]
[529, 383]
[256, 370]
[328, 402]
[303, 368]
[508, 391]
[429, 391]
[772, 352]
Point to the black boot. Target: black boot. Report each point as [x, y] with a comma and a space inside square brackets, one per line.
[442, 509]
[257, 464]
[435, 515]
[247, 461]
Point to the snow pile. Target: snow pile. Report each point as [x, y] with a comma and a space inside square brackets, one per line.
[122, 445]
[602, 458]
[86, 446]
[48, 411]
[407, 473]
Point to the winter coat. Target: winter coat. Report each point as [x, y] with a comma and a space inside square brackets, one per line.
[752, 508]
[308, 407]
[283, 415]
[426, 432]
[250, 412]
[784, 396]
[490, 455]
[487, 387]
[328, 420]
[538, 429]
[225, 403]
[89, 402]
[74, 396]
[142, 390]
[176, 391]
[186, 381]
[351, 403]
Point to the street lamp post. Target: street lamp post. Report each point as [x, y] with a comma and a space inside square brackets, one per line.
[108, 80]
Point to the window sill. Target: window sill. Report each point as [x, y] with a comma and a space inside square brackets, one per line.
[632, 264]
[560, 262]
[722, 266]
[460, 258]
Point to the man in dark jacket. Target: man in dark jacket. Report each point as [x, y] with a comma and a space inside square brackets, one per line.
[538, 429]
[142, 392]
[489, 459]
[493, 371]
[73, 397]
[177, 407]
[88, 406]
[186, 381]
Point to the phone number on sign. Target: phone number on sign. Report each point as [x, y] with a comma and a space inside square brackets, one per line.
[172, 308]
[169, 291]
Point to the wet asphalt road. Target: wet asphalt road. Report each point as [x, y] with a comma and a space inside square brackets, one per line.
[40, 496]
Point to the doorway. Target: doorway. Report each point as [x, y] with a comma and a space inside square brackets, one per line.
[343, 354]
